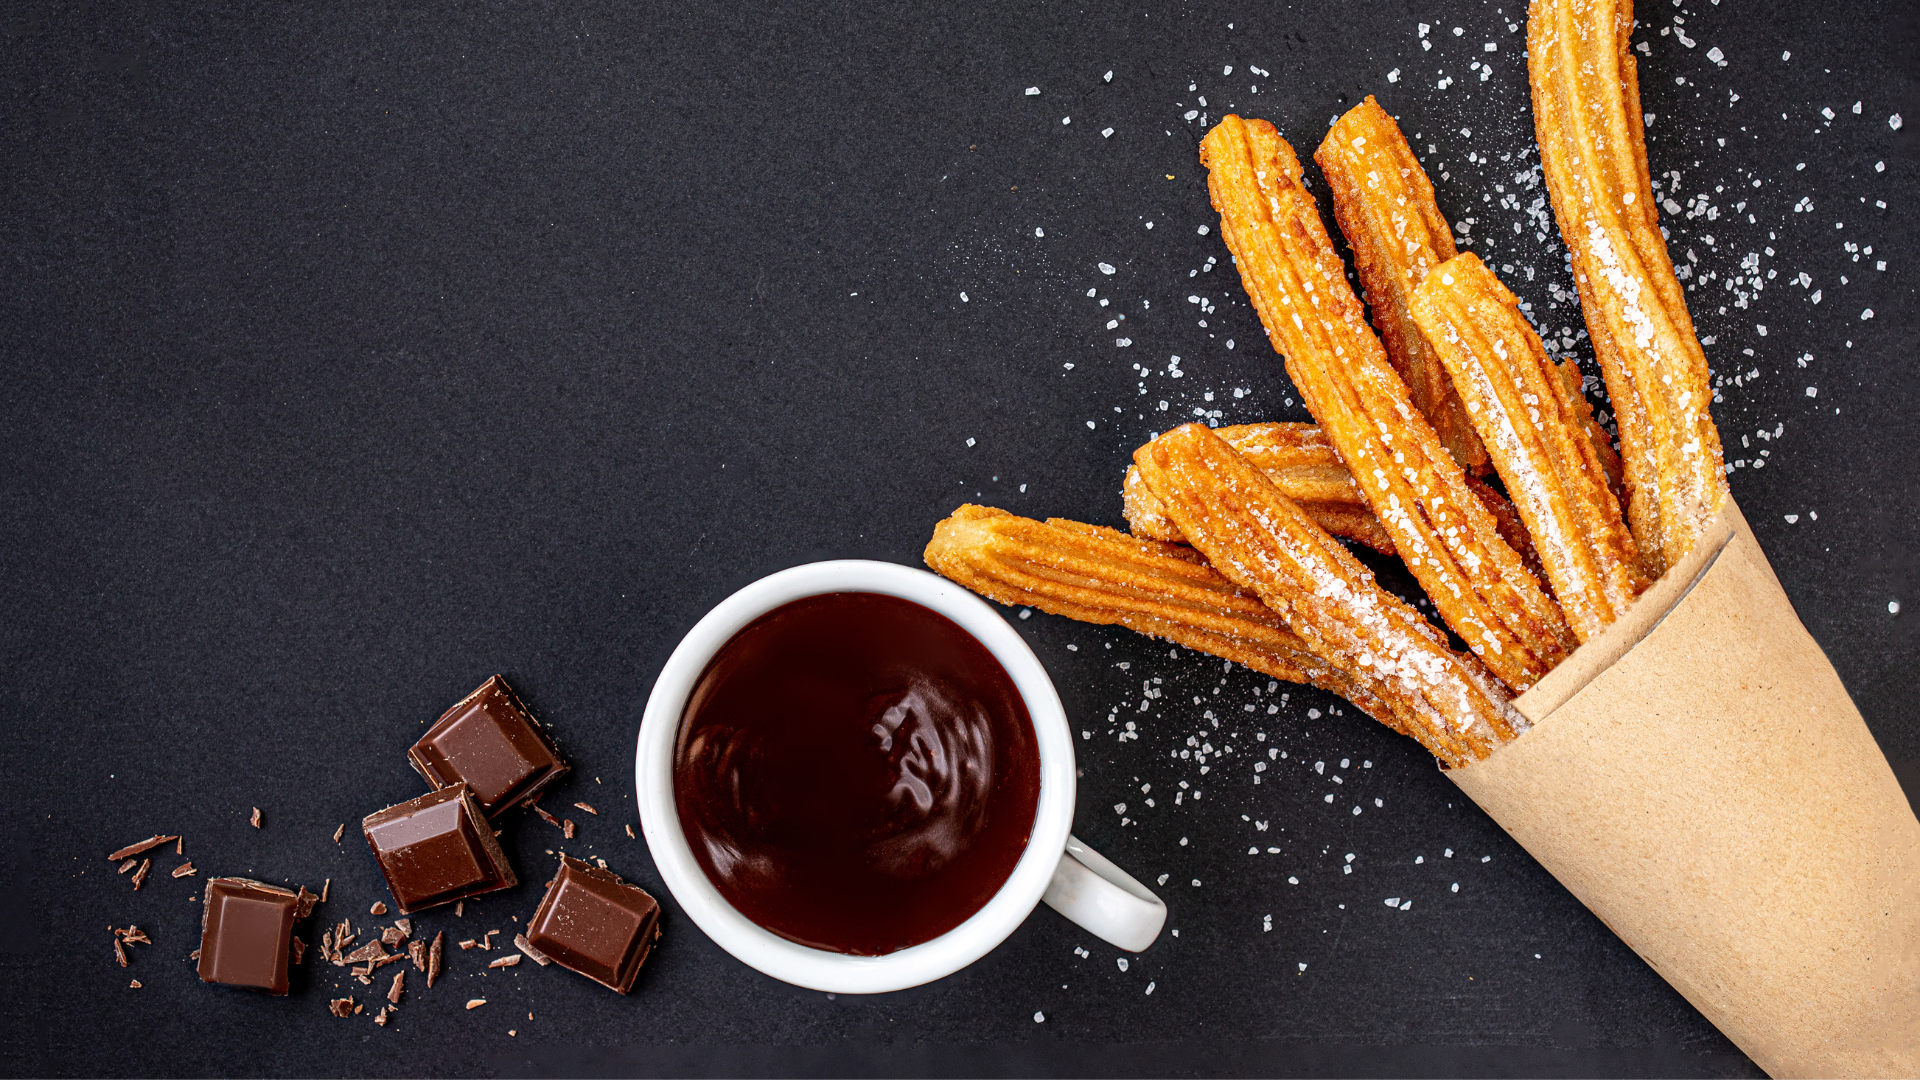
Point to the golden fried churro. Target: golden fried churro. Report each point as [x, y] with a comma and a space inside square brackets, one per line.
[1300, 461]
[1586, 111]
[1102, 576]
[1419, 493]
[1384, 204]
[1527, 415]
[1260, 540]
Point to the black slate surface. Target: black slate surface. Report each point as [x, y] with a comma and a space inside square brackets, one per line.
[356, 353]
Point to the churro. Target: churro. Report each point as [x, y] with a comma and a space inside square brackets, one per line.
[1525, 410]
[1586, 109]
[1300, 461]
[1099, 575]
[1384, 204]
[1258, 539]
[1420, 494]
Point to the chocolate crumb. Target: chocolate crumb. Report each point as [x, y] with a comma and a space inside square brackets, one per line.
[417, 952]
[120, 951]
[134, 934]
[140, 875]
[566, 827]
[520, 942]
[341, 1007]
[339, 832]
[506, 961]
[128, 865]
[357, 1009]
[433, 958]
[134, 985]
[630, 835]
[468, 944]
[303, 905]
[381, 1017]
[393, 992]
[135, 849]
[588, 809]
[256, 817]
[185, 869]
[405, 926]
[392, 936]
[459, 909]
[195, 955]
[602, 862]
[474, 1003]
[379, 908]
[362, 976]
[299, 951]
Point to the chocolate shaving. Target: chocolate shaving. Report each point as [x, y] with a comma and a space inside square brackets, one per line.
[299, 951]
[133, 934]
[179, 846]
[459, 909]
[357, 1009]
[135, 849]
[417, 952]
[588, 809]
[185, 869]
[630, 835]
[566, 827]
[468, 944]
[546, 817]
[506, 961]
[433, 959]
[128, 865]
[326, 944]
[364, 975]
[393, 992]
[134, 985]
[339, 832]
[324, 886]
[520, 942]
[256, 817]
[120, 951]
[474, 1003]
[140, 875]
[341, 1007]
[303, 907]
[379, 908]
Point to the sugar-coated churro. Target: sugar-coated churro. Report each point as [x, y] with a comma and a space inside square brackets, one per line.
[1420, 494]
[1586, 110]
[1260, 540]
[1099, 575]
[1526, 413]
[1301, 462]
[1384, 204]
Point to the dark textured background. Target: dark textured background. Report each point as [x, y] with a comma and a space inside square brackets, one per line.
[355, 353]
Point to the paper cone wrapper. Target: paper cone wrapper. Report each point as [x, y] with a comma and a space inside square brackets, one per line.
[1699, 778]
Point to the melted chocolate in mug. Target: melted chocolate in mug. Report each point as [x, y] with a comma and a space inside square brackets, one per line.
[857, 773]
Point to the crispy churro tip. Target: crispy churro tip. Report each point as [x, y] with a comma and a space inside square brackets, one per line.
[1098, 575]
[1531, 420]
[1586, 108]
[1384, 204]
[1420, 494]
[1260, 540]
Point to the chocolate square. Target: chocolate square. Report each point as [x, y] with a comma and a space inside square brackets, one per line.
[493, 744]
[593, 923]
[436, 849]
[246, 933]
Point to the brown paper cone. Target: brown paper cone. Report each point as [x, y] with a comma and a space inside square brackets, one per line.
[1699, 778]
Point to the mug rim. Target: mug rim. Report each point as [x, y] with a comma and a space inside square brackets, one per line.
[821, 969]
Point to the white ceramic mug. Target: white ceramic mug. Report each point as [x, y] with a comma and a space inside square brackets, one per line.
[1071, 878]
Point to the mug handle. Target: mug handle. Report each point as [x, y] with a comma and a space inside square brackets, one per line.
[1104, 899]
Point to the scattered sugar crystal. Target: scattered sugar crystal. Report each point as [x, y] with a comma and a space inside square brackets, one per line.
[1106, 268]
[1393, 76]
[1893, 607]
[1106, 133]
[1031, 92]
[1456, 886]
[1038, 1017]
[1123, 963]
[1039, 232]
[1895, 122]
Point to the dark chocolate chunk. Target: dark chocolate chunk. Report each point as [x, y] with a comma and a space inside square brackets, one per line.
[437, 849]
[593, 923]
[490, 742]
[246, 934]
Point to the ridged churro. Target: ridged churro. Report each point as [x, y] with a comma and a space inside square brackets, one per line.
[1586, 110]
[1099, 575]
[1527, 415]
[1257, 538]
[1384, 204]
[1420, 494]
[1301, 462]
